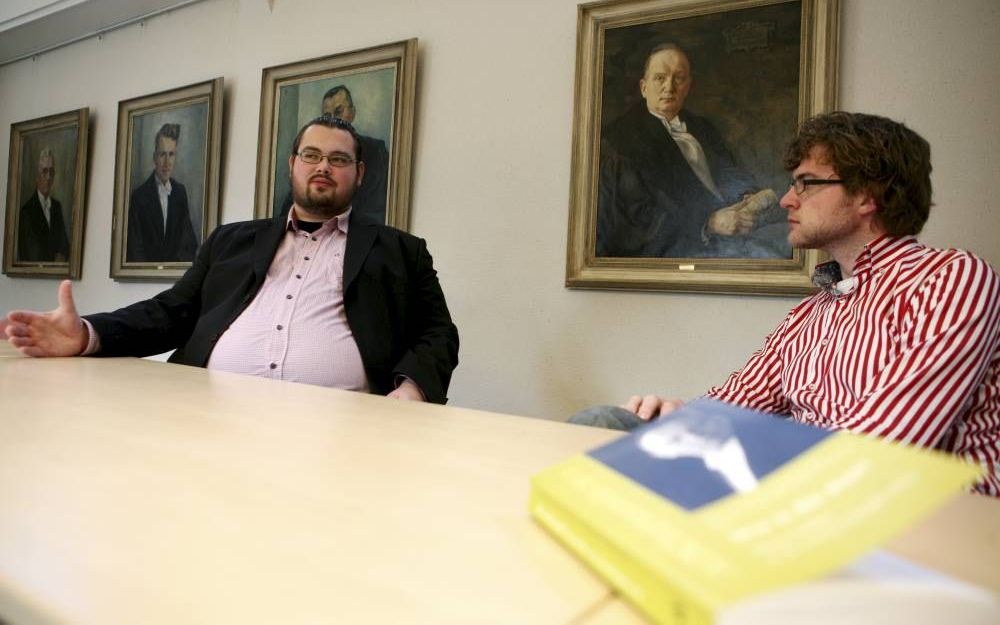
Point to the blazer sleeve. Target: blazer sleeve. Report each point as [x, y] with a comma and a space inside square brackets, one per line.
[159, 324]
[431, 352]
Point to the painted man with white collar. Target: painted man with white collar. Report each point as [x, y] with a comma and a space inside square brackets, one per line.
[159, 224]
[902, 341]
[669, 186]
[41, 229]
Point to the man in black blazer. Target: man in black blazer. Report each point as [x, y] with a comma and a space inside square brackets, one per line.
[395, 311]
[159, 224]
[668, 186]
[41, 231]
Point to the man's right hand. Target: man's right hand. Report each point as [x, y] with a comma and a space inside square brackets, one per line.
[651, 406]
[730, 221]
[59, 332]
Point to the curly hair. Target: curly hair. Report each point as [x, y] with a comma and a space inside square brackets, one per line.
[873, 155]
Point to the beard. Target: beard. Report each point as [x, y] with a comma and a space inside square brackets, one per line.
[837, 225]
[326, 205]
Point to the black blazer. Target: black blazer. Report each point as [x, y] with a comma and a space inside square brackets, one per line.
[147, 240]
[37, 240]
[392, 298]
[650, 201]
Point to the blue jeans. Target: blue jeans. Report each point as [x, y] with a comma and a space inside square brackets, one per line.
[609, 417]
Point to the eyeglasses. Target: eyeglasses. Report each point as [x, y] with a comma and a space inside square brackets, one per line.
[315, 158]
[800, 184]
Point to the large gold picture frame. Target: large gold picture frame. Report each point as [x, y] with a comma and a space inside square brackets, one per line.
[373, 88]
[48, 159]
[757, 68]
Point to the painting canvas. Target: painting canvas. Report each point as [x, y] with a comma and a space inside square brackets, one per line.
[683, 114]
[46, 193]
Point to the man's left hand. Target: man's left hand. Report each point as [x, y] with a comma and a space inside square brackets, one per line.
[407, 390]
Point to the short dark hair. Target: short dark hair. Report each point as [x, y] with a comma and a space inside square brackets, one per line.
[329, 121]
[168, 131]
[332, 91]
[874, 155]
[660, 47]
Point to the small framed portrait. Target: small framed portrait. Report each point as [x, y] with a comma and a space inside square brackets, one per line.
[46, 196]
[374, 90]
[167, 163]
[683, 111]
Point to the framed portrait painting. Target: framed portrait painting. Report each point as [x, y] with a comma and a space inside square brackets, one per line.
[46, 196]
[374, 90]
[683, 110]
[167, 162]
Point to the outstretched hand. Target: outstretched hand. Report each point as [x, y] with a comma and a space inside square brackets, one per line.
[59, 332]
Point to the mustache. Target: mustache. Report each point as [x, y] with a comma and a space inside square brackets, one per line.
[322, 177]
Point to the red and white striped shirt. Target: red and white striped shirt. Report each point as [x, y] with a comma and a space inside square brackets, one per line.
[911, 354]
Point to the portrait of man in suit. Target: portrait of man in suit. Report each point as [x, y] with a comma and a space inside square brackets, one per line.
[370, 198]
[159, 222]
[41, 231]
[669, 185]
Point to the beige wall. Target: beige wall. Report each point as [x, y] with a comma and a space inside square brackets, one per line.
[491, 169]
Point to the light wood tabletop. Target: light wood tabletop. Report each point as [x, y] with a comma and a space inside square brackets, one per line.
[139, 491]
[134, 491]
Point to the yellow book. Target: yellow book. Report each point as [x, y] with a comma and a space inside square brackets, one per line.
[715, 504]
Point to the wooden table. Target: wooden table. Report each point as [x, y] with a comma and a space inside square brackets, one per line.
[138, 491]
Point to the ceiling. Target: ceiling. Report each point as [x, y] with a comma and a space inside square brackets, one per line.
[31, 27]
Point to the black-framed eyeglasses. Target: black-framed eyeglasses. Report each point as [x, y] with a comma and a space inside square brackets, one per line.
[801, 184]
[315, 158]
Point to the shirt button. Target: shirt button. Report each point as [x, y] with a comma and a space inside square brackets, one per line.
[281, 327]
[288, 296]
[314, 238]
[307, 258]
[298, 276]
[273, 365]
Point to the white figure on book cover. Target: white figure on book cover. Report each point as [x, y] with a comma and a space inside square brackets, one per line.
[711, 440]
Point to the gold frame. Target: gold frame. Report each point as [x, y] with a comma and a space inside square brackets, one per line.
[73, 266]
[818, 55]
[400, 56]
[209, 93]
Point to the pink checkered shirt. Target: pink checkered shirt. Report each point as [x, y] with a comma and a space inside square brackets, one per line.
[296, 327]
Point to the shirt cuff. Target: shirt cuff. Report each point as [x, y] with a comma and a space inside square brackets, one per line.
[93, 339]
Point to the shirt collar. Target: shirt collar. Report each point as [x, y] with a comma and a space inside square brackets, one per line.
[672, 124]
[878, 252]
[340, 222]
[163, 186]
[873, 257]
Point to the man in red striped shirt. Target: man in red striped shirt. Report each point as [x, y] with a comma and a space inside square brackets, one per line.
[902, 341]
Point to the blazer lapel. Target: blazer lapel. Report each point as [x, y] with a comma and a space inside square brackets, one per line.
[265, 245]
[360, 237]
